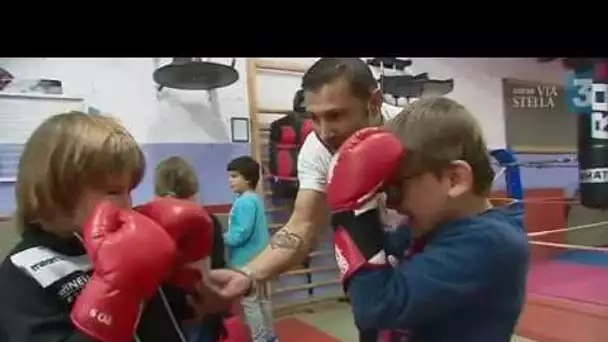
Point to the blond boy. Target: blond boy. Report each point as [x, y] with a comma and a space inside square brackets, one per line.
[84, 268]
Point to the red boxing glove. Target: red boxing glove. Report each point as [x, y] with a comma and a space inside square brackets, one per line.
[131, 256]
[365, 163]
[192, 229]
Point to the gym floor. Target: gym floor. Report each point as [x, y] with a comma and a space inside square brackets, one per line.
[336, 321]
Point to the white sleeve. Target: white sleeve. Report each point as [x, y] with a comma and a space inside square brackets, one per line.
[313, 164]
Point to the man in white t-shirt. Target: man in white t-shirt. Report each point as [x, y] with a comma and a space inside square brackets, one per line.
[342, 96]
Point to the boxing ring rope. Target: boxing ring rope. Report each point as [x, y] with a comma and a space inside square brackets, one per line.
[510, 167]
[569, 246]
[546, 200]
[567, 229]
[566, 245]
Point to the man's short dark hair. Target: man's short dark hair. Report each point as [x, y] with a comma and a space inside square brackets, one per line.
[353, 70]
[247, 167]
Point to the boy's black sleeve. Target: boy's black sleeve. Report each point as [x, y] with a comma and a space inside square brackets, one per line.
[29, 314]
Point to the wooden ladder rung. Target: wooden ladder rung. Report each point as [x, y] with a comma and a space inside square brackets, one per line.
[275, 226]
[275, 209]
[280, 66]
[273, 111]
[298, 271]
[306, 304]
[321, 253]
[305, 286]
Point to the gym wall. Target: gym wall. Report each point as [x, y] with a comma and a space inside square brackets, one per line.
[187, 123]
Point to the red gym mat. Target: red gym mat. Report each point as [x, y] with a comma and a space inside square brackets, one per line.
[294, 330]
[566, 302]
[582, 283]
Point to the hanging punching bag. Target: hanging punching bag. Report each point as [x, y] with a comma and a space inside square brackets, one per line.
[593, 139]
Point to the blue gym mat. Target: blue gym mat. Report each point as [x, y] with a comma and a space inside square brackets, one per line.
[591, 258]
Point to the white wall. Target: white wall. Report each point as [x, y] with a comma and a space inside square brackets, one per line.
[478, 85]
[124, 87]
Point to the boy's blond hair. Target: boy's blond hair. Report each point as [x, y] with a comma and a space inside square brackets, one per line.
[175, 177]
[66, 154]
[437, 131]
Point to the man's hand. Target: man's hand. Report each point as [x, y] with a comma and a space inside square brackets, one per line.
[219, 293]
[230, 284]
[208, 301]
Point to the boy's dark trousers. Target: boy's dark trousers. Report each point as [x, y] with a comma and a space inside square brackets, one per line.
[368, 335]
[210, 330]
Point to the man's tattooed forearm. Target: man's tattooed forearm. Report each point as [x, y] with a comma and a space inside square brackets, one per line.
[286, 240]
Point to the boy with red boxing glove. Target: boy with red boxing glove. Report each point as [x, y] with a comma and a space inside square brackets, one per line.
[468, 282]
[89, 268]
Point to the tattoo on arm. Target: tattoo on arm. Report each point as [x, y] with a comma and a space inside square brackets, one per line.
[284, 239]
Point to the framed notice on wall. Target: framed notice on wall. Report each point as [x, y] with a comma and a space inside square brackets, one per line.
[537, 119]
[239, 128]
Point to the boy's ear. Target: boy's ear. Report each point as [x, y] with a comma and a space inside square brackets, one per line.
[461, 178]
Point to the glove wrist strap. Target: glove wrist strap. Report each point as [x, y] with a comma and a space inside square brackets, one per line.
[365, 230]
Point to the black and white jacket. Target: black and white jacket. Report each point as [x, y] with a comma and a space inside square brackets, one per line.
[39, 281]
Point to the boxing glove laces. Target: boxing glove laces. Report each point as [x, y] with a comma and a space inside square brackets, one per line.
[366, 162]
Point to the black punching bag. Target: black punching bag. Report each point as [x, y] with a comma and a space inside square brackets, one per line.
[593, 143]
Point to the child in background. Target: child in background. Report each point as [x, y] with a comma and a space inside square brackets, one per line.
[175, 177]
[246, 237]
[75, 166]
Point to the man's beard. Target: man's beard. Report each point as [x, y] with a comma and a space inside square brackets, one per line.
[333, 145]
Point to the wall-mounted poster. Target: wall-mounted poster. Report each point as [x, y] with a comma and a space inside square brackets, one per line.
[537, 119]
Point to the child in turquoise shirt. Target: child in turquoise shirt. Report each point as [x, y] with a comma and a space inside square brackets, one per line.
[246, 237]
